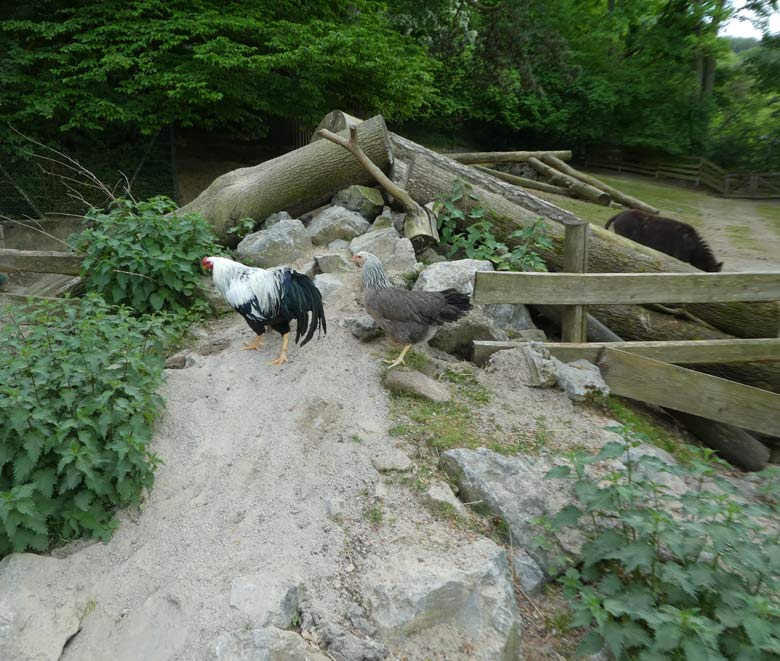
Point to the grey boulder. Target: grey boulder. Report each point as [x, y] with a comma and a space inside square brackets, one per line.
[395, 253]
[366, 201]
[336, 223]
[283, 243]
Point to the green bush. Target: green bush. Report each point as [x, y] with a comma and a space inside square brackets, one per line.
[77, 403]
[665, 576]
[466, 230]
[144, 255]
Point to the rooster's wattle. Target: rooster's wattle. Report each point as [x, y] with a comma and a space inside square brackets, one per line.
[270, 297]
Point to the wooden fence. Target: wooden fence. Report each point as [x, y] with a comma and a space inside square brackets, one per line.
[693, 169]
[645, 370]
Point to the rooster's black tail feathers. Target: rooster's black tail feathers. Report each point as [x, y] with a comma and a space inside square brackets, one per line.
[301, 298]
[456, 305]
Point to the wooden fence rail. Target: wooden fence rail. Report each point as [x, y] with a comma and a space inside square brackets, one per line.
[40, 261]
[685, 352]
[645, 370]
[624, 288]
[694, 169]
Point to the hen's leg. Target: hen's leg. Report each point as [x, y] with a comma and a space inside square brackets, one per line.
[283, 353]
[400, 359]
[254, 344]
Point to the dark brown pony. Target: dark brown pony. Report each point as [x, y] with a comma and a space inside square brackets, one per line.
[674, 238]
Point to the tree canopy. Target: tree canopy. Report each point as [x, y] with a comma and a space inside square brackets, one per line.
[645, 73]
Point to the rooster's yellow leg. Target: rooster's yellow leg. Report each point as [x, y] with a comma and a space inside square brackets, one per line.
[283, 353]
[254, 344]
[400, 359]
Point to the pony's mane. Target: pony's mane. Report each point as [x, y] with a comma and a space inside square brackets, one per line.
[704, 252]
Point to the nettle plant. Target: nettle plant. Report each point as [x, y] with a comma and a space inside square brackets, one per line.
[77, 404]
[666, 576]
[144, 254]
[466, 228]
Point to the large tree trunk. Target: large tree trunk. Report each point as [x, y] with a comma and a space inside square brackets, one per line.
[297, 182]
[432, 175]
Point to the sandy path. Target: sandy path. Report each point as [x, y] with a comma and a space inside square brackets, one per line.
[251, 454]
[740, 236]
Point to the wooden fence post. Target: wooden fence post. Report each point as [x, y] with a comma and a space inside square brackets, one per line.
[575, 260]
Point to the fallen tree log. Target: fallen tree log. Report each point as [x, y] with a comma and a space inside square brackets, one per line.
[634, 322]
[470, 158]
[297, 182]
[431, 176]
[731, 443]
[616, 194]
[575, 185]
[525, 182]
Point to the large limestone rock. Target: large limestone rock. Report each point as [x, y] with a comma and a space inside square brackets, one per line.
[413, 592]
[333, 262]
[327, 284]
[275, 218]
[412, 382]
[366, 201]
[532, 365]
[34, 623]
[266, 600]
[213, 296]
[456, 275]
[283, 243]
[396, 254]
[458, 337]
[513, 488]
[581, 380]
[265, 644]
[364, 328]
[336, 223]
[512, 319]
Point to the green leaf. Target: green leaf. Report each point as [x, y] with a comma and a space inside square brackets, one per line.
[82, 500]
[558, 472]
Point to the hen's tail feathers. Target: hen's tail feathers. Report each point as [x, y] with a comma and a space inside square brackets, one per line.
[455, 305]
[610, 221]
[303, 297]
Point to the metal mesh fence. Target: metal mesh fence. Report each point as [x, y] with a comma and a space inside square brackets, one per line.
[43, 183]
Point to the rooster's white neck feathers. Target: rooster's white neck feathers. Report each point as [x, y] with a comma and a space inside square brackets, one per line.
[241, 284]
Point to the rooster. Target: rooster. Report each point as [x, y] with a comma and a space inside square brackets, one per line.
[269, 297]
[408, 317]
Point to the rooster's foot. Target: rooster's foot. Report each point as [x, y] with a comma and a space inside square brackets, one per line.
[280, 360]
[398, 361]
[254, 345]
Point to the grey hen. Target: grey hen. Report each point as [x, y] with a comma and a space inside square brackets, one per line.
[409, 317]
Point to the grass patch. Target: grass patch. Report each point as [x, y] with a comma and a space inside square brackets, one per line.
[414, 360]
[647, 425]
[375, 515]
[677, 201]
[771, 214]
[741, 236]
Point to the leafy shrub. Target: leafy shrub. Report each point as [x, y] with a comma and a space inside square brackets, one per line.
[466, 228]
[144, 255]
[77, 402]
[665, 576]
[242, 228]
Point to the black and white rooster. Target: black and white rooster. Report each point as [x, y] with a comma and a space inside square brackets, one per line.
[269, 297]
